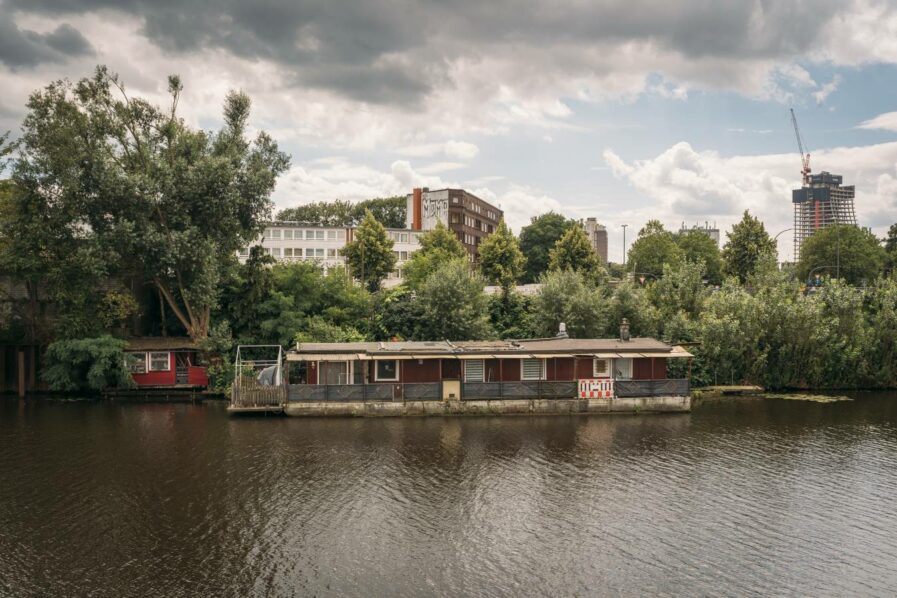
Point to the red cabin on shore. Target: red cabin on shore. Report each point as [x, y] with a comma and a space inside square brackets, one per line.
[165, 362]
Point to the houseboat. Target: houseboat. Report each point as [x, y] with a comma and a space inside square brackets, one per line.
[551, 375]
[165, 363]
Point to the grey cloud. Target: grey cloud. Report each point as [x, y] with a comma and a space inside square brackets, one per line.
[21, 48]
[398, 52]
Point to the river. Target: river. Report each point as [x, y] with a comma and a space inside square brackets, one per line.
[739, 497]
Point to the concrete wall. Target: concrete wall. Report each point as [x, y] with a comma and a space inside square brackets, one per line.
[498, 407]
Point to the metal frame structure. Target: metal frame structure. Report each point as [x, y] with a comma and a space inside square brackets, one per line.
[246, 391]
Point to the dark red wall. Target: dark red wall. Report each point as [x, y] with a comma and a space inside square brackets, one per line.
[510, 370]
[197, 376]
[428, 371]
[641, 369]
[585, 368]
[451, 369]
[155, 378]
[560, 368]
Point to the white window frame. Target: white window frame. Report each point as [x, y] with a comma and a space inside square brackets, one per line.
[468, 363]
[523, 371]
[150, 355]
[320, 235]
[608, 368]
[377, 377]
[309, 235]
[331, 235]
[331, 252]
[287, 234]
[275, 234]
[623, 373]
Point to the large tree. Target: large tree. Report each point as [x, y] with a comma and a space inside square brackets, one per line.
[844, 250]
[748, 245]
[453, 306]
[569, 297]
[891, 249]
[654, 247]
[133, 180]
[437, 246]
[369, 255]
[537, 240]
[389, 211]
[574, 252]
[501, 260]
[698, 246]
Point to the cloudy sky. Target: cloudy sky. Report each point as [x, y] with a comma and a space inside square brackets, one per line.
[624, 110]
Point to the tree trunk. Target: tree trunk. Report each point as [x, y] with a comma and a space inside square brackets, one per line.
[196, 322]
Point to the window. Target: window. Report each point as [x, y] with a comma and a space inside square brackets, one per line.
[403, 255]
[268, 233]
[244, 252]
[532, 369]
[473, 370]
[136, 362]
[275, 251]
[396, 253]
[456, 219]
[331, 235]
[387, 371]
[275, 233]
[288, 233]
[310, 235]
[319, 235]
[288, 252]
[403, 237]
[341, 235]
[297, 252]
[319, 252]
[601, 368]
[331, 253]
[623, 369]
[159, 362]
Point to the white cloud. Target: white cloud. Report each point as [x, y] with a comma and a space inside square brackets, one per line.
[821, 94]
[460, 150]
[886, 122]
[689, 185]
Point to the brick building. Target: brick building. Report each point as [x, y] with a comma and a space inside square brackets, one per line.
[469, 217]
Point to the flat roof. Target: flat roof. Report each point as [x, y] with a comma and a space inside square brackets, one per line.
[539, 348]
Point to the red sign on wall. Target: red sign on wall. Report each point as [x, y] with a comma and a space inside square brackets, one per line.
[596, 388]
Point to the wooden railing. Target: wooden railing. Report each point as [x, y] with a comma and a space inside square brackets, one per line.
[247, 392]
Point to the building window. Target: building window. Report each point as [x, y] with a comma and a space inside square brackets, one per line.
[532, 369]
[623, 368]
[387, 370]
[136, 362]
[275, 251]
[601, 368]
[244, 252]
[319, 235]
[331, 235]
[297, 252]
[331, 253]
[473, 370]
[275, 233]
[159, 362]
[403, 255]
[288, 234]
[341, 235]
[288, 252]
[309, 235]
[319, 252]
[403, 237]
[396, 254]
[456, 219]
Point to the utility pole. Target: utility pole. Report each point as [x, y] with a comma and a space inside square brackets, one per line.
[624, 246]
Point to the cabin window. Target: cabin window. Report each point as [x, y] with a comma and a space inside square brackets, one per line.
[532, 369]
[136, 362]
[473, 370]
[387, 370]
[335, 372]
[623, 369]
[601, 368]
[160, 362]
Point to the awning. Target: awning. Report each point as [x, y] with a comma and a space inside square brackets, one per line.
[326, 356]
[679, 351]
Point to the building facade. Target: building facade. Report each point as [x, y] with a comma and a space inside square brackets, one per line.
[710, 230]
[469, 217]
[293, 242]
[597, 234]
[821, 202]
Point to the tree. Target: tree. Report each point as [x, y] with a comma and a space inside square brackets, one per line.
[654, 247]
[680, 289]
[437, 246]
[453, 306]
[369, 255]
[698, 246]
[748, 243]
[134, 183]
[631, 301]
[574, 252]
[389, 211]
[891, 249]
[512, 315]
[537, 239]
[570, 297]
[858, 251]
[501, 261]
[89, 364]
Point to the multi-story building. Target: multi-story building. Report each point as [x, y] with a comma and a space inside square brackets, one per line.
[292, 241]
[821, 202]
[469, 217]
[597, 234]
[710, 230]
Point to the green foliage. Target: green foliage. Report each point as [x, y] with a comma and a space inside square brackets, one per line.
[116, 183]
[537, 239]
[437, 247]
[891, 250]
[501, 262]
[512, 315]
[654, 247]
[631, 301]
[680, 289]
[453, 306]
[698, 246]
[574, 252]
[87, 364]
[398, 315]
[319, 330]
[858, 251]
[570, 297]
[369, 255]
[748, 245]
[117, 307]
[388, 211]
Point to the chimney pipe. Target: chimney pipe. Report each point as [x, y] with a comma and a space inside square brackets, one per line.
[562, 331]
[417, 209]
[624, 330]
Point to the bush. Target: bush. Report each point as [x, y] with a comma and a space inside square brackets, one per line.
[86, 364]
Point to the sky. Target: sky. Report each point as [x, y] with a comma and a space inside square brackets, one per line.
[623, 110]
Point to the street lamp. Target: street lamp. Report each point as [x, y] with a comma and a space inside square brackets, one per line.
[624, 246]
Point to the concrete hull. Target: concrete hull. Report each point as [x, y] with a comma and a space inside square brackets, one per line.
[487, 407]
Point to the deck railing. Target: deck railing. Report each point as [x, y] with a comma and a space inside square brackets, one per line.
[650, 388]
[247, 392]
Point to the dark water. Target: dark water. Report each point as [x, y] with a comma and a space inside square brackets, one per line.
[744, 497]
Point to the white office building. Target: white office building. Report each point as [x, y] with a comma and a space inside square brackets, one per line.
[291, 241]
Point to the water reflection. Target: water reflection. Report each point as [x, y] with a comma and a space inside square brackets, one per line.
[764, 497]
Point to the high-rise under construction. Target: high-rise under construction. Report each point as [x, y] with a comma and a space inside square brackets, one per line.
[819, 203]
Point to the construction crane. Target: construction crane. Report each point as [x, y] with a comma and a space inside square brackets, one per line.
[804, 156]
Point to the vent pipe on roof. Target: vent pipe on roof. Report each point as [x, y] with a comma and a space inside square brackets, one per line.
[624, 330]
[562, 331]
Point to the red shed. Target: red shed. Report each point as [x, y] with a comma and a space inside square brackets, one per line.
[165, 362]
